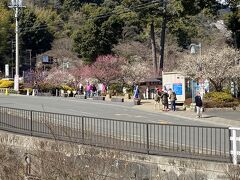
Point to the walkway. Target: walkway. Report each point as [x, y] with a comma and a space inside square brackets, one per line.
[223, 118]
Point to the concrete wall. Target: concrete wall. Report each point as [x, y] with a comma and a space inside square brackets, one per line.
[113, 164]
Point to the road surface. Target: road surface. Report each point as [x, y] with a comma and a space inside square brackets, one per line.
[93, 108]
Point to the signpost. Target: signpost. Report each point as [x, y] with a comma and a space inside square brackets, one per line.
[6, 70]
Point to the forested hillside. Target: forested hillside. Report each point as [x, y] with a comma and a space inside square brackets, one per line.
[89, 28]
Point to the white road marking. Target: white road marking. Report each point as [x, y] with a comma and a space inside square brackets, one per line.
[121, 114]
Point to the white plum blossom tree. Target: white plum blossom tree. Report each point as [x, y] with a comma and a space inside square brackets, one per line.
[218, 65]
[58, 77]
[137, 70]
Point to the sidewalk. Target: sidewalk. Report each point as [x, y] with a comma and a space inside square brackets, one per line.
[213, 117]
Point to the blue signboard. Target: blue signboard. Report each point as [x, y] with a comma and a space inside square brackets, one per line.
[177, 88]
[45, 59]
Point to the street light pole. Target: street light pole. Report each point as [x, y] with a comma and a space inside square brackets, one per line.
[16, 4]
[193, 49]
[12, 58]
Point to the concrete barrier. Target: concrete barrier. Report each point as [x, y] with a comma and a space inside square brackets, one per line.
[117, 99]
[99, 98]
[81, 96]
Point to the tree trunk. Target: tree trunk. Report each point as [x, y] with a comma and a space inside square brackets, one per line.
[217, 85]
[162, 40]
[154, 54]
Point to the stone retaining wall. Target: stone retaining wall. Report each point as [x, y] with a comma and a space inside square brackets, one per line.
[114, 164]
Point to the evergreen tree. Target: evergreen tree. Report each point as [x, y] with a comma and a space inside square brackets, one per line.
[34, 33]
[232, 21]
[97, 35]
[5, 36]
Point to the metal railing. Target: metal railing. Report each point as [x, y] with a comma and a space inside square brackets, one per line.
[210, 143]
[10, 90]
[235, 144]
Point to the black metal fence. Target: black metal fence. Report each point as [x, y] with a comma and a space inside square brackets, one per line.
[211, 143]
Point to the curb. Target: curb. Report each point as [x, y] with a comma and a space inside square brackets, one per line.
[222, 109]
[211, 120]
[218, 120]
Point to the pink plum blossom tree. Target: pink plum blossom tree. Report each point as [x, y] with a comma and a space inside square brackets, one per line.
[105, 69]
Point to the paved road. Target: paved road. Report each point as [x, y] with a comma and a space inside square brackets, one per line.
[234, 115]
[121, 111]
[155, 138]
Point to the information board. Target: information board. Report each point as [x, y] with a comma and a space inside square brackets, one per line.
[177, 88]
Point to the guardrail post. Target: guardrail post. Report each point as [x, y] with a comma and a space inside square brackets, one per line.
[147, 126]
[0, 114]
[31, 122]
[82, 129]
[234, 140]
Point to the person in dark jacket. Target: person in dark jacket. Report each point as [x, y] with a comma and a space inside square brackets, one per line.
[164, 98]
[172, 98]
[157, 98]
[199, 104]
[94, 90]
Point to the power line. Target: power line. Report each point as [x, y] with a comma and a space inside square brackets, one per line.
[138, 7]
[116, 12]
[127, 10]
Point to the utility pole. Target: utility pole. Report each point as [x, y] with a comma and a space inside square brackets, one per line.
[16, 4]
[12, 58]
[162, 36]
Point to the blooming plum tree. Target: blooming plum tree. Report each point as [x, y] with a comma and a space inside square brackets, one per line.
[80, 73]
[136, 70]
[58, 77]
[105, 69]
[218, 65]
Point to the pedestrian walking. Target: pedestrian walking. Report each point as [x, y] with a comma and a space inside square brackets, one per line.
[164, 98]
[199, 104]
[157, 98]
[172, 98]
[35, 89]
[104, 89]
[80, 88]
[136, 92]
[94, 90]
[88, 90]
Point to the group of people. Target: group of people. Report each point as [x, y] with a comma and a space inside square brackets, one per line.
[164, 96]
[92, 89]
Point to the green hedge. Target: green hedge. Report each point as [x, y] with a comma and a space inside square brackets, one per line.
[219, 100]
[212, 104]
[116, 87]
[24, 91]
[219, 97]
